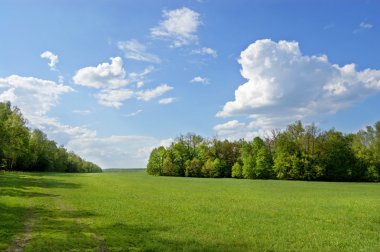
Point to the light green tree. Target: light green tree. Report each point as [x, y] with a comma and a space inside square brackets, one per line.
[237, 170]
[156, 160]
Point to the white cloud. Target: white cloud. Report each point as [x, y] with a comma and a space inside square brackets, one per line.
[149, 94]
[110, 80]
[104, 75]
[8, 95]
[36, 97]
[116, 151]
[136, 51]
[283, 85]
[114, 97]
[57, 130]
[363, 26]
[61, 79]
[139, 77]
[234, 130]
[32, 95]
[110, 76]
[166, 142]
[52, 58]
[199, 79]
[166, 100]
[206, 51]
[134, 113]
[179, 25]
[228, 125]
[140, 84]
[82, 112]
[121, 151]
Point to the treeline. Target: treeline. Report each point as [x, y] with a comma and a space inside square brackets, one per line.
[299, 153]
[24, 150]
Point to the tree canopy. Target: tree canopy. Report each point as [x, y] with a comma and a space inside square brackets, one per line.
[22, 149]
[299, 153]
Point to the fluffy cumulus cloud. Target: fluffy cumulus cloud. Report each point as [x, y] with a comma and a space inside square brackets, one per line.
[35, 97]
[199, 79]
[104, 75]
[53, 59]
[111, 78]
[180, 26]
[284, 85]
[134, 50]
[206, 51]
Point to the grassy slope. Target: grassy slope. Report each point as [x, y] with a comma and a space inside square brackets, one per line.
[121, 211]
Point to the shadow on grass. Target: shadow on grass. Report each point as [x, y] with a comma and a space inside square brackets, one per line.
[14, 220]
[22, 193]
[42, 229]
[62, 231]
[65, 230]
[11, 223]
[125, 237]
[24, 181]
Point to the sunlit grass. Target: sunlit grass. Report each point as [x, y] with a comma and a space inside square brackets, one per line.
[119, 211]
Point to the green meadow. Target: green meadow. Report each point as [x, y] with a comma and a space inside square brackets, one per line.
[132, 211]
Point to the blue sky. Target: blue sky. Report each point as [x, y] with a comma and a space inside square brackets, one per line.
[112, 79]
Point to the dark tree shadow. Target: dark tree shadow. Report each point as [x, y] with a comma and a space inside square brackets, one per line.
[66, 230]
[22, 181]
[13, 219]
[22, 193]
[124, 237]
[11, 223]
[58, 230]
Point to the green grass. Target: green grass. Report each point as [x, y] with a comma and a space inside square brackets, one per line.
[131, 211]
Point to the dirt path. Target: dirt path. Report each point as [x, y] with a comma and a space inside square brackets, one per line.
[29, 222]
[23, 239]
[100, 240]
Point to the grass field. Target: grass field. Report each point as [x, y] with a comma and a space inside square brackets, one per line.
[131, 211]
